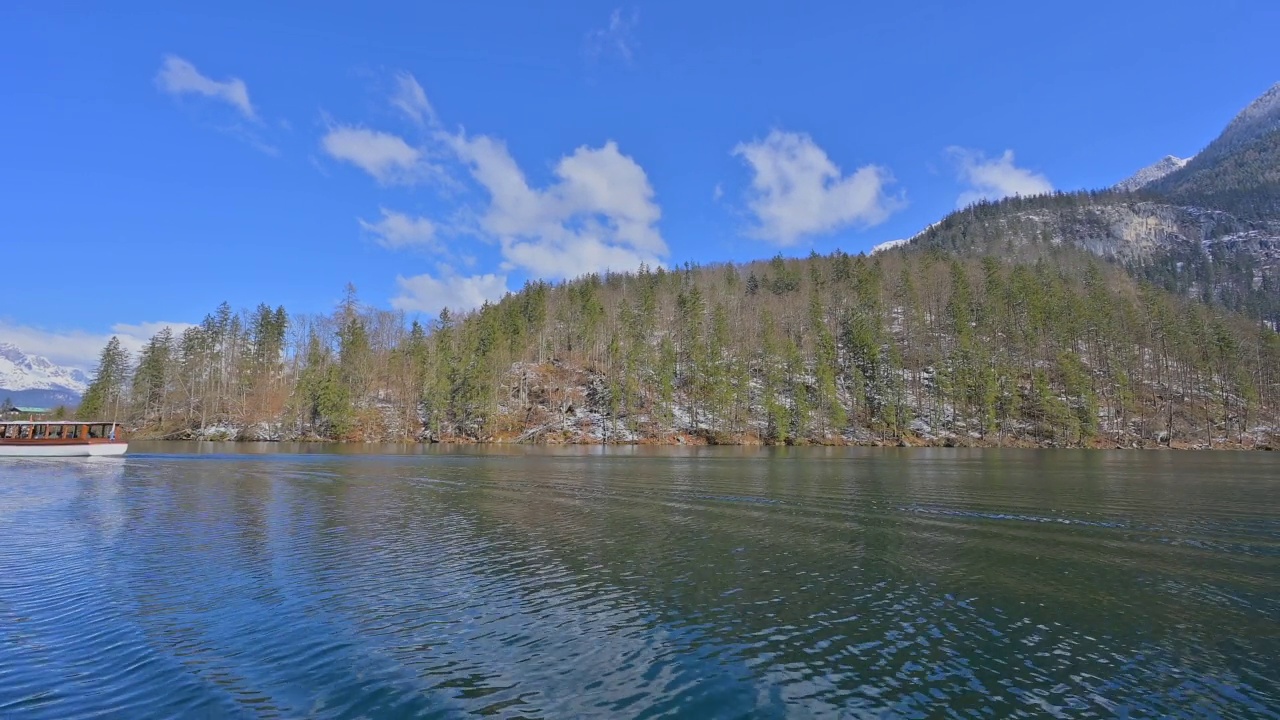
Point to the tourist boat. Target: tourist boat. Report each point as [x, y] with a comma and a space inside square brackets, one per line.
[49, 438]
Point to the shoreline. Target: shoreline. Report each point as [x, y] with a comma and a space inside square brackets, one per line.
[694, 441]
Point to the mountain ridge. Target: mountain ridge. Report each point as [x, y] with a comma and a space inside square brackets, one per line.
[1151, 173]
[24, 372]
[1208, 229]
[1259, 116]
[1239, 171]
[1108, 318]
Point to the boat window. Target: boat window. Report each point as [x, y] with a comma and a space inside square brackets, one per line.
[95, 431]
[25, 432]
[54, 432]
[73, 432]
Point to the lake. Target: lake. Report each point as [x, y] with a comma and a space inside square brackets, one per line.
[222, 580]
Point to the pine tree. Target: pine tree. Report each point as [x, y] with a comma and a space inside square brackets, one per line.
[152, 376]
[106, 396]
[1054, 347]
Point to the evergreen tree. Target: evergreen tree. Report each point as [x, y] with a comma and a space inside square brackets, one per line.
[923, 343]
[152, 376]
[105, 399]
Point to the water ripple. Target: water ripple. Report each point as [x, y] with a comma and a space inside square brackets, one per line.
[699, 584]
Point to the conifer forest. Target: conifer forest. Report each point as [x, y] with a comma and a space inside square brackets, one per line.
[917, 345]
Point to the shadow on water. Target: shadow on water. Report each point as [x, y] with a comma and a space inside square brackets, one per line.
[387, 581]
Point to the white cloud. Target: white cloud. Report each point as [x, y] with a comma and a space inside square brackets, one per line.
[410, 99]
[599, 213]
[717, 192]
[582, 253]
[430, 293]
[250, 138]
[398, 230]
[142, 332]
[992, 179]
[616, 37]
[78, 348]
[388, 158]
[796, 190]
[180, 77]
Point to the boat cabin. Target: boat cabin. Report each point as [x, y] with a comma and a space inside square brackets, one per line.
[32, 431]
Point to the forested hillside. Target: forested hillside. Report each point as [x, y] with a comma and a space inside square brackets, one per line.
[1245, 182]
[1112, 317]
[1196, 252]
[908, 346]
[1239, 172]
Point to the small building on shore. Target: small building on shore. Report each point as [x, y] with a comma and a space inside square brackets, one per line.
[14, 412]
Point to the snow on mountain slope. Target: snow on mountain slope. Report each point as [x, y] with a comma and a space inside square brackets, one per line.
[20, 371]
[1259, 116]
[1139, 232]
[1151, 173]
[889, 245]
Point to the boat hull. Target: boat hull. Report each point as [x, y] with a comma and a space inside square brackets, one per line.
[64, 450]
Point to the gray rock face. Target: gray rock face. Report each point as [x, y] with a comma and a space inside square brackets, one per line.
[1142, 231]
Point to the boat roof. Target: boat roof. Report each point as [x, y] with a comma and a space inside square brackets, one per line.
[58, 422]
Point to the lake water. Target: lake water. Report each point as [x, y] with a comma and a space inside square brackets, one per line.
[240, 581]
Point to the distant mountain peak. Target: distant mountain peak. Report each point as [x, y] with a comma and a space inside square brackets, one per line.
[1239, 171]
[1265, 110]
[20, 371]
[889, 245]
[1257, 120]
[1151, 173]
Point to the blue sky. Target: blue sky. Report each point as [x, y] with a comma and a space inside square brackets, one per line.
[161, 159]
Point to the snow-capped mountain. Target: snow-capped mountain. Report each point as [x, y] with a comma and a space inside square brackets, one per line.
[20, 371]
[1260, 116]
[1151, 173]
[1239, 171]
[889, 245]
